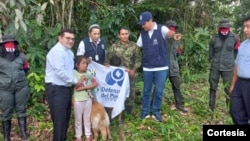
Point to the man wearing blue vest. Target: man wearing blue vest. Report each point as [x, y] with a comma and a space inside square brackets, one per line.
[155, 62]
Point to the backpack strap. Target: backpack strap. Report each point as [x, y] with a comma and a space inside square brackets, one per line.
[236, 37]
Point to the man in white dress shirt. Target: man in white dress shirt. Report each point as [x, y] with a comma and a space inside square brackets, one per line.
[59, 80]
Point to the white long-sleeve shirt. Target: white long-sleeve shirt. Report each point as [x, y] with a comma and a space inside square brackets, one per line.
[60, 66]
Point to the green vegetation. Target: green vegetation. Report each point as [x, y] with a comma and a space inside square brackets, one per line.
[176, 126]
[36, 24]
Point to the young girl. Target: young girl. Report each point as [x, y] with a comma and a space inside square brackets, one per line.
[82, 97]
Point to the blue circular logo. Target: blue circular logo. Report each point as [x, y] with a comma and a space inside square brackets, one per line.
[115, 76]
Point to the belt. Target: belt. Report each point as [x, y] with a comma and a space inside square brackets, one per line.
[51, 84]
[244, 79]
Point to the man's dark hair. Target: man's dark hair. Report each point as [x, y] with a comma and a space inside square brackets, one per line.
[121, 28]
[115, 61]
[61, 33]
[247, 18]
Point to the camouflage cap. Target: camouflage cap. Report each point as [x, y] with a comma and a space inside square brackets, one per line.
[171, 23]
[224, 22]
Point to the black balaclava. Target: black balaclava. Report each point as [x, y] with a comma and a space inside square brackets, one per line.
[9, 50]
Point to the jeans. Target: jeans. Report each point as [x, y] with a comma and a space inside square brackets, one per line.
[158, 78]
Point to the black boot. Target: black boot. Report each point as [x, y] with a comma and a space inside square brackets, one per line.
[228, 101]
[212, 98]
[23, 127]
[128, 109]
[228, 104]
[179, 102]
[181, 108]
[6, 129]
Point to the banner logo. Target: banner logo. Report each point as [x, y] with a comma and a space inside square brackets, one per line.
[115, 76]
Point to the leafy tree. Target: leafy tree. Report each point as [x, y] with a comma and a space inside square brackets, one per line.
[240, 12]
[37, 22]
[109, 17]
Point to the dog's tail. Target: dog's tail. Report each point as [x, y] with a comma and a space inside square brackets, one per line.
[107, 123]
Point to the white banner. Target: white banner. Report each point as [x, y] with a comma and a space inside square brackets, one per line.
[113, 86]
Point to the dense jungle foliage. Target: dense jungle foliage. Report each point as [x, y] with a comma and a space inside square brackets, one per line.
[36, 23]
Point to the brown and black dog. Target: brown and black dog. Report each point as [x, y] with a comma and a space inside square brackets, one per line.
[100, 121]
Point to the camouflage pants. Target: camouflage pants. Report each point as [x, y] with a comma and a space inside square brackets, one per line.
[131, 99]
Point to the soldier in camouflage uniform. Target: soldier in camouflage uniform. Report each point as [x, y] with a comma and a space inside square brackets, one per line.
[131, 59]
[223, 50]
[174, 71]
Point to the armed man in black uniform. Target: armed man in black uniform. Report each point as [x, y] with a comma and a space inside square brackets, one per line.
[13, 85]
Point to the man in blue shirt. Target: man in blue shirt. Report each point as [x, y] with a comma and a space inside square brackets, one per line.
[59, 80]
[155, 62]
[240, 86]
